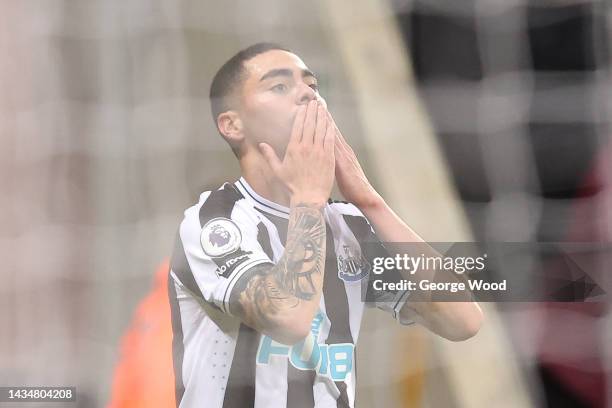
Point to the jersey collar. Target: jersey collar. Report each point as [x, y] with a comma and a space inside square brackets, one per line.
[259, 202]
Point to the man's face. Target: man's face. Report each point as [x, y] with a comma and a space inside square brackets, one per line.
[277, 84]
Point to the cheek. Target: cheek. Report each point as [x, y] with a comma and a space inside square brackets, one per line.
[268, 122]
[266, 118]
[269, 118]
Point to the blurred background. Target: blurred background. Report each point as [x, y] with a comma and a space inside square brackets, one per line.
[483, 120]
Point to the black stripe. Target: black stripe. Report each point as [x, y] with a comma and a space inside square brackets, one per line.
[248, 265]
[219, 203]
[360, 228]
[281, 224]
[264, 240]
[372, 248]
[300, 384]
[177, 342]
[363, 233]
[337, 308]
[181, 268]
[240, 390]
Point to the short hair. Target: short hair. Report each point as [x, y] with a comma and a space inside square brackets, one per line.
[231, 76]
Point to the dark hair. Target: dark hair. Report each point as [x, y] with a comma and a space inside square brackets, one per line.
[231, 75]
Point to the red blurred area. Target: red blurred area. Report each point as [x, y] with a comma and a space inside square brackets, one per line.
[144, 375]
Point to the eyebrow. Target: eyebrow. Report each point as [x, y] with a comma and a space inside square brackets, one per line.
[286, 73]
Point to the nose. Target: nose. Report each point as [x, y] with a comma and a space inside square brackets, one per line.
[305, 94]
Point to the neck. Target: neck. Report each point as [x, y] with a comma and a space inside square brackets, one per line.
[257, 172]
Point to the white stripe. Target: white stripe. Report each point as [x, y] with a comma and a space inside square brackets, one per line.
[208, 353]
[260, 202]
[271, 383]
[347, 208]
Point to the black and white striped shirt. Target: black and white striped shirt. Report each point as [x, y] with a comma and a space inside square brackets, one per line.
[220, 362]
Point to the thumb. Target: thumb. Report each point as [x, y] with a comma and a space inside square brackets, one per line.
[271, 157]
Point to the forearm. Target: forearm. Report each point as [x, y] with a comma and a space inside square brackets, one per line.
[281, 300]
[452, 320]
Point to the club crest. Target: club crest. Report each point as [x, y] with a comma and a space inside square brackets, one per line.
[351, 267]
[219, 237]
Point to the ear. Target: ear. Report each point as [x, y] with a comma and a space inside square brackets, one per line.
[230, 126]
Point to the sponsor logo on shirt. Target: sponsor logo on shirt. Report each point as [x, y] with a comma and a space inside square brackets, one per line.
[334, 361]
[231, 263]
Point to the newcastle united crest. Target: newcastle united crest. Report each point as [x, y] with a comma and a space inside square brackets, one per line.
[352, 267]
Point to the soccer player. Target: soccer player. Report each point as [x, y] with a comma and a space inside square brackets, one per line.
[267, 274]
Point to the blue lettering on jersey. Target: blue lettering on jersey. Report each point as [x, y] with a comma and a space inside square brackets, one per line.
[333, 360]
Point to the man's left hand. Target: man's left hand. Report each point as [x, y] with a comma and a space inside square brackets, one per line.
[351, 179]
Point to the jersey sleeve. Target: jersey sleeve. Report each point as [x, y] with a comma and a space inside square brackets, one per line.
[212, 253]
[372, 247]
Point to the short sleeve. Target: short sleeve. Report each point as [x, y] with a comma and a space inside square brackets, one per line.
[212, 253]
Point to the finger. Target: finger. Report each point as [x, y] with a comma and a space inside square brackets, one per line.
[338, 138]
[310, 122]
[334, 127]
[328, 146]
[339, 152]
[330, 134]
[322, 125]
[341, 141]
[331, 129]
[298, 125]
[271, 157]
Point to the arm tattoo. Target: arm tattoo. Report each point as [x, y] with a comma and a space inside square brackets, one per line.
[296, 278]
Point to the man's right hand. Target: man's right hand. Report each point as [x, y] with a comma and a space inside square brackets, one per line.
[281, 300]
[307, 170]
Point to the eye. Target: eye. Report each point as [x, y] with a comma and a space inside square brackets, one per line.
[279, 88]
[315, 87]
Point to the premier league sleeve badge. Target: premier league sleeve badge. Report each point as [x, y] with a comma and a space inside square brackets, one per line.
[219, 237]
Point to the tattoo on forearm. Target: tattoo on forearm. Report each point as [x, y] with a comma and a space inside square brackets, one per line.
[296, 278]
